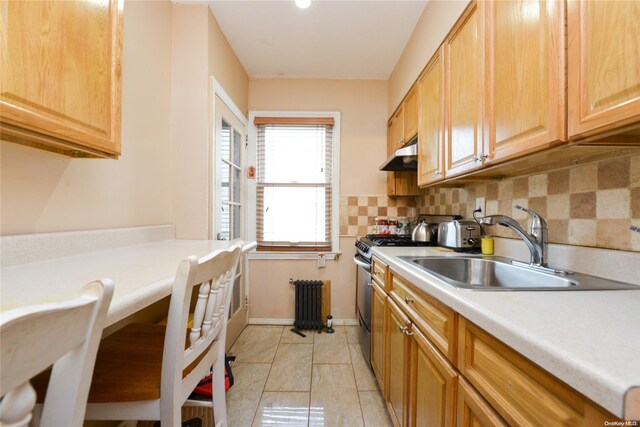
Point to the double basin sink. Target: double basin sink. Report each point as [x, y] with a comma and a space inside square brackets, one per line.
[502, 274]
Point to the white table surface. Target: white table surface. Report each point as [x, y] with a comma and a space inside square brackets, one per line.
[588, 339]
[142, 274]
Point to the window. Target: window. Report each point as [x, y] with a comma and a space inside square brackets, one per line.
[230, 149]
[295, 187]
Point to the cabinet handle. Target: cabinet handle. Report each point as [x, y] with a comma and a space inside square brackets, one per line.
[401, 140]
[438, 173]
[408, 300]
[480, 157]
[405, 330]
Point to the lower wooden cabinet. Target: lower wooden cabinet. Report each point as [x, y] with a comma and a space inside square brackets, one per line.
[432, 385]
[378, 310]
[397, 363]
[473, 410]
[520, 391]
[490, 385]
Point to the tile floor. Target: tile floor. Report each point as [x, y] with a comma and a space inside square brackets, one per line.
[282, 379]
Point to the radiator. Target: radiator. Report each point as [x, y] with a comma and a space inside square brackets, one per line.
[312, 298]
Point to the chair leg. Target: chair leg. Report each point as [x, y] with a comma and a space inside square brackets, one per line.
[219, 398]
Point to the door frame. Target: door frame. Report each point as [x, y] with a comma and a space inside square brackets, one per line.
[216, 90]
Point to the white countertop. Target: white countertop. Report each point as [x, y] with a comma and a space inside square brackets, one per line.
[588, 339]
[142, 274]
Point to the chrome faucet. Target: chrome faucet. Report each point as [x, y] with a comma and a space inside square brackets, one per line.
[536, 239]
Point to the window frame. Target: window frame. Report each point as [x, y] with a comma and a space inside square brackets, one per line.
[291, 252]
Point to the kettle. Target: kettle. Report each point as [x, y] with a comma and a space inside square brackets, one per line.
[423, 232]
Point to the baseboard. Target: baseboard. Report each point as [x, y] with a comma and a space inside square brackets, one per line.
[286, 322]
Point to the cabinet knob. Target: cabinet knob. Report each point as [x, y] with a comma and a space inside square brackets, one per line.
[480, 157]
[438, 173]
[408, 300]
[405, 330]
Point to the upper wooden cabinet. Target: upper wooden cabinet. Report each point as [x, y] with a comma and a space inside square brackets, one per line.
[399, 183]
[61, 75]
[410, 111]
[431, 121]
[603, 66]
[464, 85]
[398, 129]
[525, 85]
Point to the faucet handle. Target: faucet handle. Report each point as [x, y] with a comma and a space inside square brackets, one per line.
[537, 220]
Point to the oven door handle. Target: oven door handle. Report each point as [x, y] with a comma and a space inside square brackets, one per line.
[357, 258]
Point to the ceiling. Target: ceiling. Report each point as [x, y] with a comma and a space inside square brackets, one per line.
[329, 40]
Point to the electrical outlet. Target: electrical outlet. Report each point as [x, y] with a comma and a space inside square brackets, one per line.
[480, 204]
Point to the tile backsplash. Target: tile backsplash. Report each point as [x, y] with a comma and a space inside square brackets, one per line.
[586, 205]
[358, 212]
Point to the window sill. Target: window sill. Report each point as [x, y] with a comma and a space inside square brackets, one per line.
[293, 255]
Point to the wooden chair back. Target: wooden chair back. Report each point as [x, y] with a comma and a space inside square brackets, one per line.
[213, 276]
[65, 335]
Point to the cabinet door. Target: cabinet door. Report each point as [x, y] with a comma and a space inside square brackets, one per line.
[603, 65]
[61, 75]
[464, 93]
[473, 410]
[432, 385]
[391, 145]
[397, 363]
[410, 110]
[431, 121]
[398, 120]
[378, 308]
[525, 66]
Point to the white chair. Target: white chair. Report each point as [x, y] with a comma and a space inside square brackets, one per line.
[147, 371]
[65, 335]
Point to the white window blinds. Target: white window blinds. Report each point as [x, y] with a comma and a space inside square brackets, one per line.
[294, 185]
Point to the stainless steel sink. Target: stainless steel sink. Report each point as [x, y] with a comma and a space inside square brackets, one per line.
[500, 274]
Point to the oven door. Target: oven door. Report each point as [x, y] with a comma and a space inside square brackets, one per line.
[363, 303]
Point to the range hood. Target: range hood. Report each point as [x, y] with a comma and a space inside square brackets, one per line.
[404, 159]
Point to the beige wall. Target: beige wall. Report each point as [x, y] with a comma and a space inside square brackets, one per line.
[226, 67]
[190, 121]
[200, 51]
[434, 24]
[45, 192]
[362, 105]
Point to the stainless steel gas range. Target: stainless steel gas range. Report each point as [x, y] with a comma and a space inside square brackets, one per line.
[363, 261]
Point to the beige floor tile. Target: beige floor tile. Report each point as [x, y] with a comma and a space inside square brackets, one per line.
[339, 335]
[291, 368]
[352, 334]
[328, 351]
[365, 380]
[334, 398]
[283, 409]
[244, 396]
[289, 337]
[257, 344]
[374, 409]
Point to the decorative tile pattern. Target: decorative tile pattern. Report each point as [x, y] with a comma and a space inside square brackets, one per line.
[358, 212]
[586, 205]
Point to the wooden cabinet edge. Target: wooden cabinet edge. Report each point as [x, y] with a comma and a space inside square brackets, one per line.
[23, 136]
[483, 410]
